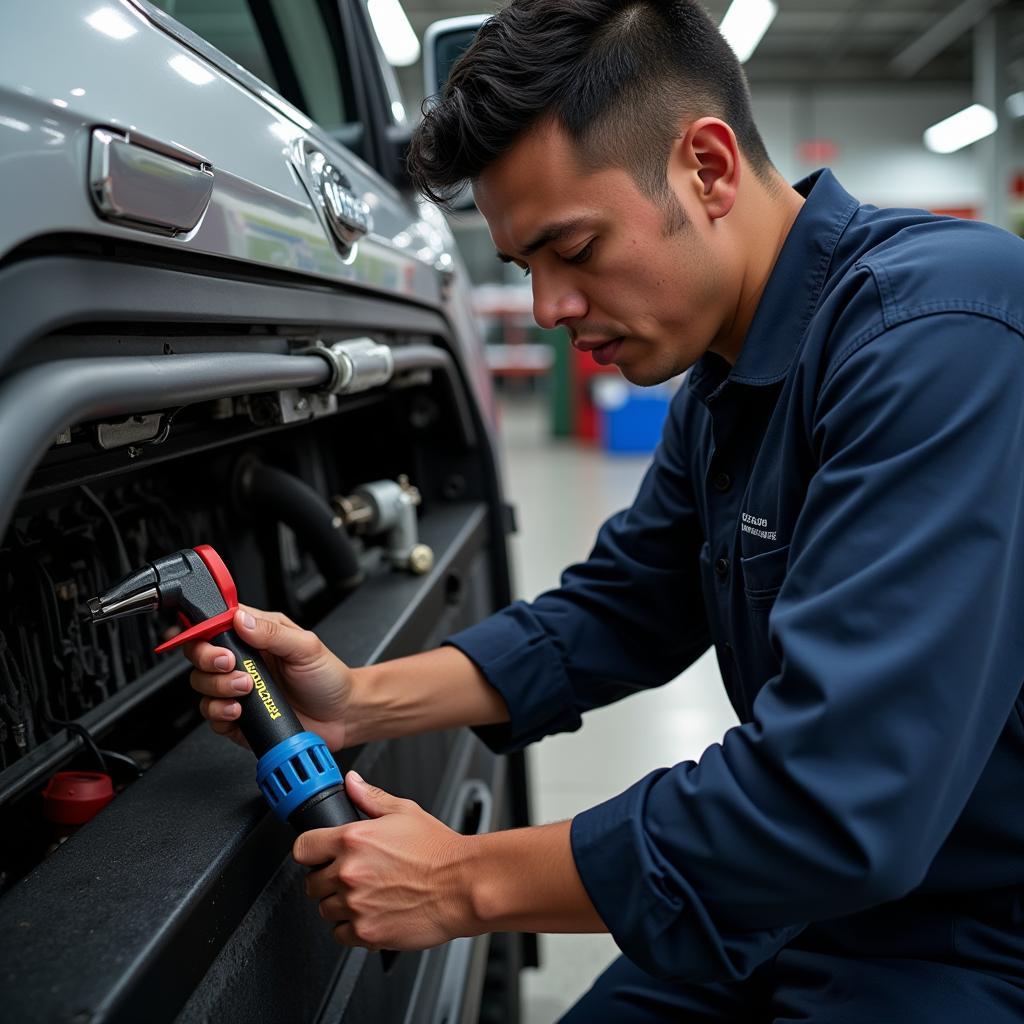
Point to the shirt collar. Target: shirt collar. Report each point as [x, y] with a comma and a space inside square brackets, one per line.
[792, 292]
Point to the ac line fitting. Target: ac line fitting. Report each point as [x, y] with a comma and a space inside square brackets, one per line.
[357, 364]
[389, 507]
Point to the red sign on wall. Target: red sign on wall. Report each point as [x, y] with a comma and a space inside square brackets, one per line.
[818, 151]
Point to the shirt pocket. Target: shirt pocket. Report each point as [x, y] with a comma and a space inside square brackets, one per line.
[763, 574]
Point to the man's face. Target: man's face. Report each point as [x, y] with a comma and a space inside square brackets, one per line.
[605, 260]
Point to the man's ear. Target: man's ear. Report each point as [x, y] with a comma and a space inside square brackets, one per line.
[710, 154]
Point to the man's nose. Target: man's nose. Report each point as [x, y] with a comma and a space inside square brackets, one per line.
[556, 302]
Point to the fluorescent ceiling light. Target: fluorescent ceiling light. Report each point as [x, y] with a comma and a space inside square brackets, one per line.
[111, 23]
[970, 125]
[397, 39]
[190, 70]
[745, 24]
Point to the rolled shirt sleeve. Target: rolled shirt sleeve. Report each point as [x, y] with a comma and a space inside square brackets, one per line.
[900, 633]
[630, 617]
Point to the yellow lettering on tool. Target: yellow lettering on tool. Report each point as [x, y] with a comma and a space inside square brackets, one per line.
[261, 689]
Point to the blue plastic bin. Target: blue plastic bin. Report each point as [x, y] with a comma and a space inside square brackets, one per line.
[630, 418]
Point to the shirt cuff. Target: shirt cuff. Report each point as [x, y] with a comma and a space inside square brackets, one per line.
[654, 915]
[521, 661]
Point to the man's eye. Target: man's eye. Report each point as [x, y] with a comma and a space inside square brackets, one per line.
[582, 256]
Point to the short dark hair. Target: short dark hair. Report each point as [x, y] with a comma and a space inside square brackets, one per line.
[616, 75]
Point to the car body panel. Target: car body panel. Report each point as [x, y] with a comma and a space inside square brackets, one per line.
[260, 211]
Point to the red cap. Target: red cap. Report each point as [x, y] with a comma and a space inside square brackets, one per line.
[73, 798]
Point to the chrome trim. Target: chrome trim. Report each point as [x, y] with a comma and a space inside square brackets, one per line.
[347, 216]
[197, 44]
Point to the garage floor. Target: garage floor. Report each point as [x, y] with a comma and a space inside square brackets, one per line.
[563, 491]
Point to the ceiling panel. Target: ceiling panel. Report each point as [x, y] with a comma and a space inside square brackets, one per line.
[822, 40]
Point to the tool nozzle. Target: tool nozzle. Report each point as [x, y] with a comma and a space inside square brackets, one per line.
[193, 582]
[135, 593]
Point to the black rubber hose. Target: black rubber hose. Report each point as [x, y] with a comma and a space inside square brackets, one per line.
[270, 493]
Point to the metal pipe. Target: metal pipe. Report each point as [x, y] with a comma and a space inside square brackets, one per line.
[419, 357]
[36, 403]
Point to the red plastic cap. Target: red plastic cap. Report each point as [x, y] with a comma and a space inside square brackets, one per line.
[73, 798]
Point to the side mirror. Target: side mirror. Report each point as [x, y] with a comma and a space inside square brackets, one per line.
[444, 43]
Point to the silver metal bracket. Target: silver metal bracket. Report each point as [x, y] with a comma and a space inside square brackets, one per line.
[134, 430]
[289, 406]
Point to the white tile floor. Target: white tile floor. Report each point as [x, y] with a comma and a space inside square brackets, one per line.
[563, 491]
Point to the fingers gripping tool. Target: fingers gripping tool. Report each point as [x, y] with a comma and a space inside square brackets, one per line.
[295, 771]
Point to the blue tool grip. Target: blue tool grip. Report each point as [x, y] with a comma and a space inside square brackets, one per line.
[295, 770]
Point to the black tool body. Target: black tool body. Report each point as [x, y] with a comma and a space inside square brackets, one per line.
[266, 718]
[295, 771]
[266, 721]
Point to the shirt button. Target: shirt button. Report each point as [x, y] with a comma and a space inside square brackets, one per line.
[722, 568]
[722, 482]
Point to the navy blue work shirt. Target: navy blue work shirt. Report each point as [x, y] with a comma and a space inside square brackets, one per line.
[842, 515]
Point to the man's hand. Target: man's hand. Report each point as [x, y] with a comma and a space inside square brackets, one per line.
[404, 880]
[316, 682]
[390, 882]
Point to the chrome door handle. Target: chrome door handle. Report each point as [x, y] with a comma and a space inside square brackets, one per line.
[147, 184]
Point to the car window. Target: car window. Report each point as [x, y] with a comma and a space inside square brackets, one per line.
[228, 25]
[307, 40]
[292, 45]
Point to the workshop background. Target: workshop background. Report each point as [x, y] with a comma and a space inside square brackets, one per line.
[912, 103]
[851, 84]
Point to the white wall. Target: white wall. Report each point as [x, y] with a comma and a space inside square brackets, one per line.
[878, 130]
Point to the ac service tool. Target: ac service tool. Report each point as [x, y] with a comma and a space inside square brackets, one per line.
[295, 771]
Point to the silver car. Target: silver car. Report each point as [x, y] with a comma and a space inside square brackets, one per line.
[225, 320]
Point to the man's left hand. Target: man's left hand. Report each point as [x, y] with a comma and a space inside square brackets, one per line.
[390, 882]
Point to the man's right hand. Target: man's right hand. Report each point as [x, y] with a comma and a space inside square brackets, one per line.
[316, 683]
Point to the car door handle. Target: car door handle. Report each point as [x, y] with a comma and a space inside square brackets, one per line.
[147, 184]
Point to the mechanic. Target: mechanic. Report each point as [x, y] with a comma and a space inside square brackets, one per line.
[837, 505]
